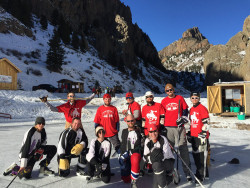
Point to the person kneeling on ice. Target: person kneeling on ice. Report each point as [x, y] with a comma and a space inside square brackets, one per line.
[98, 157]
[198, 135]
[158, 152]
[73, 143]
[32, 150]
[130, 152]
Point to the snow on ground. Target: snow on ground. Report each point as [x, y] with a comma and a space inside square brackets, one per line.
[227, 142]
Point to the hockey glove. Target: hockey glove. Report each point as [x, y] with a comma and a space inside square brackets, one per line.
[202, 136]
[38, 155]
[104, 166]
[156, 155]
[64, 164]
[77, 149]
[44, 98]
[98, 169]
[181, 121]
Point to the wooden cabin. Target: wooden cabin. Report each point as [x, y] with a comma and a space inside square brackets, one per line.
[222, 96]
[8, 75]
[65, 86]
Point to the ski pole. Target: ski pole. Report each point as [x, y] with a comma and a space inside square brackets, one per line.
[12, 180]
[186, 165]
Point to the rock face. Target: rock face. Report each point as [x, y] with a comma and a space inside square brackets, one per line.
[108, 27]
[229, 62]
[13, 25]
[191, 40]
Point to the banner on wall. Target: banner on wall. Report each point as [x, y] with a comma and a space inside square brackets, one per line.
[5, 79]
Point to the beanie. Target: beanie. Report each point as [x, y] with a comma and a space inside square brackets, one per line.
[106, 96]
[98, 129]
[40, 120]
[194, 93]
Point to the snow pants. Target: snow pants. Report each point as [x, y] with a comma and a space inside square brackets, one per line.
[199, 158]
[162, 170]
[115, 141]
[130, 168]
[179, 137]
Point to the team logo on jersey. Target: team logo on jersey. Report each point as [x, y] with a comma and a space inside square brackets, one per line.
[194, 118]
[108, 114]
[75, 113]
[172, 107]
[151, 116]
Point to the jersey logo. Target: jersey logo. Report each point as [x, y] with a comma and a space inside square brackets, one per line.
[172, 107]
[194, 118]
[107, 114]
[75, 113]
[151, 116]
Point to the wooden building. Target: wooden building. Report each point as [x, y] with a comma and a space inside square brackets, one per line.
[8, 75]
[65, 86]
[222, 96]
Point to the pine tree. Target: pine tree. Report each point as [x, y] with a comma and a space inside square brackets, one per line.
[55, 55]
[44, 22]
[64, 30]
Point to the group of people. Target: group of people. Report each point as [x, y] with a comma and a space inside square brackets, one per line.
[146, 145]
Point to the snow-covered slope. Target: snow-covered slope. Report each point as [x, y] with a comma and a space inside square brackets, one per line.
[29, 55]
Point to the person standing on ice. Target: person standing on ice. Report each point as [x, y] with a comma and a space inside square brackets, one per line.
[107, 117]
[71, 109]
[133, 108]
[158, 153]
[32, 150]
[199, 134]
[176, 112]
[98, 157]
[73, 143]
[130, 152]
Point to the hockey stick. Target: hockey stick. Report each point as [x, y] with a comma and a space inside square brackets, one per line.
[62, 99]
[13, 179]
[179, 105]
[178, 156]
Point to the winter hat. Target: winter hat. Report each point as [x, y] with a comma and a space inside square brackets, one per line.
[98, 129]
[106, 96]
[151, 127]
[129, 94]
[194, 93]
[149, 93]
[234, 161]
[169, 86]
[40, 120]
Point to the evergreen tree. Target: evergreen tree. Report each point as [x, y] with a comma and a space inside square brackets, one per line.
[55, 55]
[83, 44]
[55, 17]
[44, 22]
[75, 41]
[64, 30]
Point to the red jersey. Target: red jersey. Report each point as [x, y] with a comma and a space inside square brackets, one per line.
[134, 106]
[196, 115]
[107, 117]
[171, 109]
[71, 111]
[152, 114]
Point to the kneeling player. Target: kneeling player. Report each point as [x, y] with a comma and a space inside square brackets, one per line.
[32, 150]
[98, 157]
[72, 143]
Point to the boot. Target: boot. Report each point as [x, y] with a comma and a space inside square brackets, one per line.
[133, 184]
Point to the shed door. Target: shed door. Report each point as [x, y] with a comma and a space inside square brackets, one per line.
[214, 99]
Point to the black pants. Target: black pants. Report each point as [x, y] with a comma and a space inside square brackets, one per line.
[199, 158]
[105, 175]
[161, 171]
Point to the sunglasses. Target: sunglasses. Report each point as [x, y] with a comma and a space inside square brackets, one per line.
[41, 124]
[130, 121]
[129, 97]
[169, 90]
[149, 96]
[195, 98]
[72, 96]
[152, 131]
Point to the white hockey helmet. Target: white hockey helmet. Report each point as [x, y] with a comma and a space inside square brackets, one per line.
[149, 93]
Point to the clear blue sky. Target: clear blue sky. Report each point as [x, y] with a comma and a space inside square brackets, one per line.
[165, 20]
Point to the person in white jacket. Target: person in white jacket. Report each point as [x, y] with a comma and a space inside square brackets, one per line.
[158, 153]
